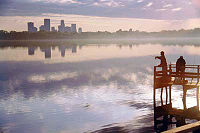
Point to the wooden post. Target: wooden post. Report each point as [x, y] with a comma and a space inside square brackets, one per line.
[154, 98]
[198, 74]
[198, 98]
[161, 96]
[166, 94]
[170, 94]
[170, 70]
[170, 87]
[184, 97]
[198, 88]
[154, 89]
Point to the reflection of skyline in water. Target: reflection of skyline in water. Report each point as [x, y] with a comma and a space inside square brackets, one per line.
[78, 53]
[99, 92]
[47, 50]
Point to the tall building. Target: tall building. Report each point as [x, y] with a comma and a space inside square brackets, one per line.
[47, 24]
[80, 30]
[53, 29]
[67, 29]
[62, 23]
[61, 27]
[73, 28]
[42, 28]
[31, 27]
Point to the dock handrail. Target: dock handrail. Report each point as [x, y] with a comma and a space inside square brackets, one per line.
[191, 71]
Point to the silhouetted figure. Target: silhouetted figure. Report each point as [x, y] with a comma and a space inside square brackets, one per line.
[163, 62]
[164, 78]
[180, 67]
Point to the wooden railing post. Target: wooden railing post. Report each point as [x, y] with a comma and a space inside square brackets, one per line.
[170, 90]
[170, 70]
[198, 88]
[154, 88]
[198, 74]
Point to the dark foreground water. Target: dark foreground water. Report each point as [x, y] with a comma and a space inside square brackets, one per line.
[90, 88]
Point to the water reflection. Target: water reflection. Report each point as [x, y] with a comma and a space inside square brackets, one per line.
[47, 51]
[97, 88]
[31, 50]
[57, 52]
[62, 50]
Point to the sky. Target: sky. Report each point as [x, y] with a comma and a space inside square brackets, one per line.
[102, 15]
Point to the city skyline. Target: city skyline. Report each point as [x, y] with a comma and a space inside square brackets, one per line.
[47, 27]
[102, 15]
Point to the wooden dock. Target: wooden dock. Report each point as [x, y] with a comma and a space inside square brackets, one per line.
[194, 127]
[164, 112]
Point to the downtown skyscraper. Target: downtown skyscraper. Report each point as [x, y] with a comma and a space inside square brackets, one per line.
[47, 24]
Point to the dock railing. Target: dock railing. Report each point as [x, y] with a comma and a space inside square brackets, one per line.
[191, 73]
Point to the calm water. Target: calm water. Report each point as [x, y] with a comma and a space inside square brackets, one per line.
[90, 88]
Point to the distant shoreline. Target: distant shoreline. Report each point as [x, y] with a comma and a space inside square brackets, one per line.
[107, 36]
[108, 39]
[55, 42]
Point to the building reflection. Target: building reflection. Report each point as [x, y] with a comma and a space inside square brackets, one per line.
[53, 47]
[74, 48]
[31, 50]
[62, 49]
[47, 52]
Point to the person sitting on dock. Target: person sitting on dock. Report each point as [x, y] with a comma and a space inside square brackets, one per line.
[163, 63]
[180, 67]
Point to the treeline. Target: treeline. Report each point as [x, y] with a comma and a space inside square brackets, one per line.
[13, 35]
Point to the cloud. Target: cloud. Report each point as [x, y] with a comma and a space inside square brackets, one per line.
[177, 9]
[139, 1]
[108, 3]
[168, 5]
[161, 9]
[59, 1]
[94, 23]
[149, 4]
[104, 8]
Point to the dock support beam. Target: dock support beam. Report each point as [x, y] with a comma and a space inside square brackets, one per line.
[197, 98]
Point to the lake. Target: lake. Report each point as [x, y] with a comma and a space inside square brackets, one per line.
[73, 88]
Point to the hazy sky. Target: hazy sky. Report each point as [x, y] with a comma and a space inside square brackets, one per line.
[94, 15]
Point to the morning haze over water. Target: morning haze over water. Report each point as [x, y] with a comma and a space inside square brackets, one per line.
[83, 88]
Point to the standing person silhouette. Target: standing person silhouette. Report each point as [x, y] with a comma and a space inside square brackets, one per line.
[163, 63]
